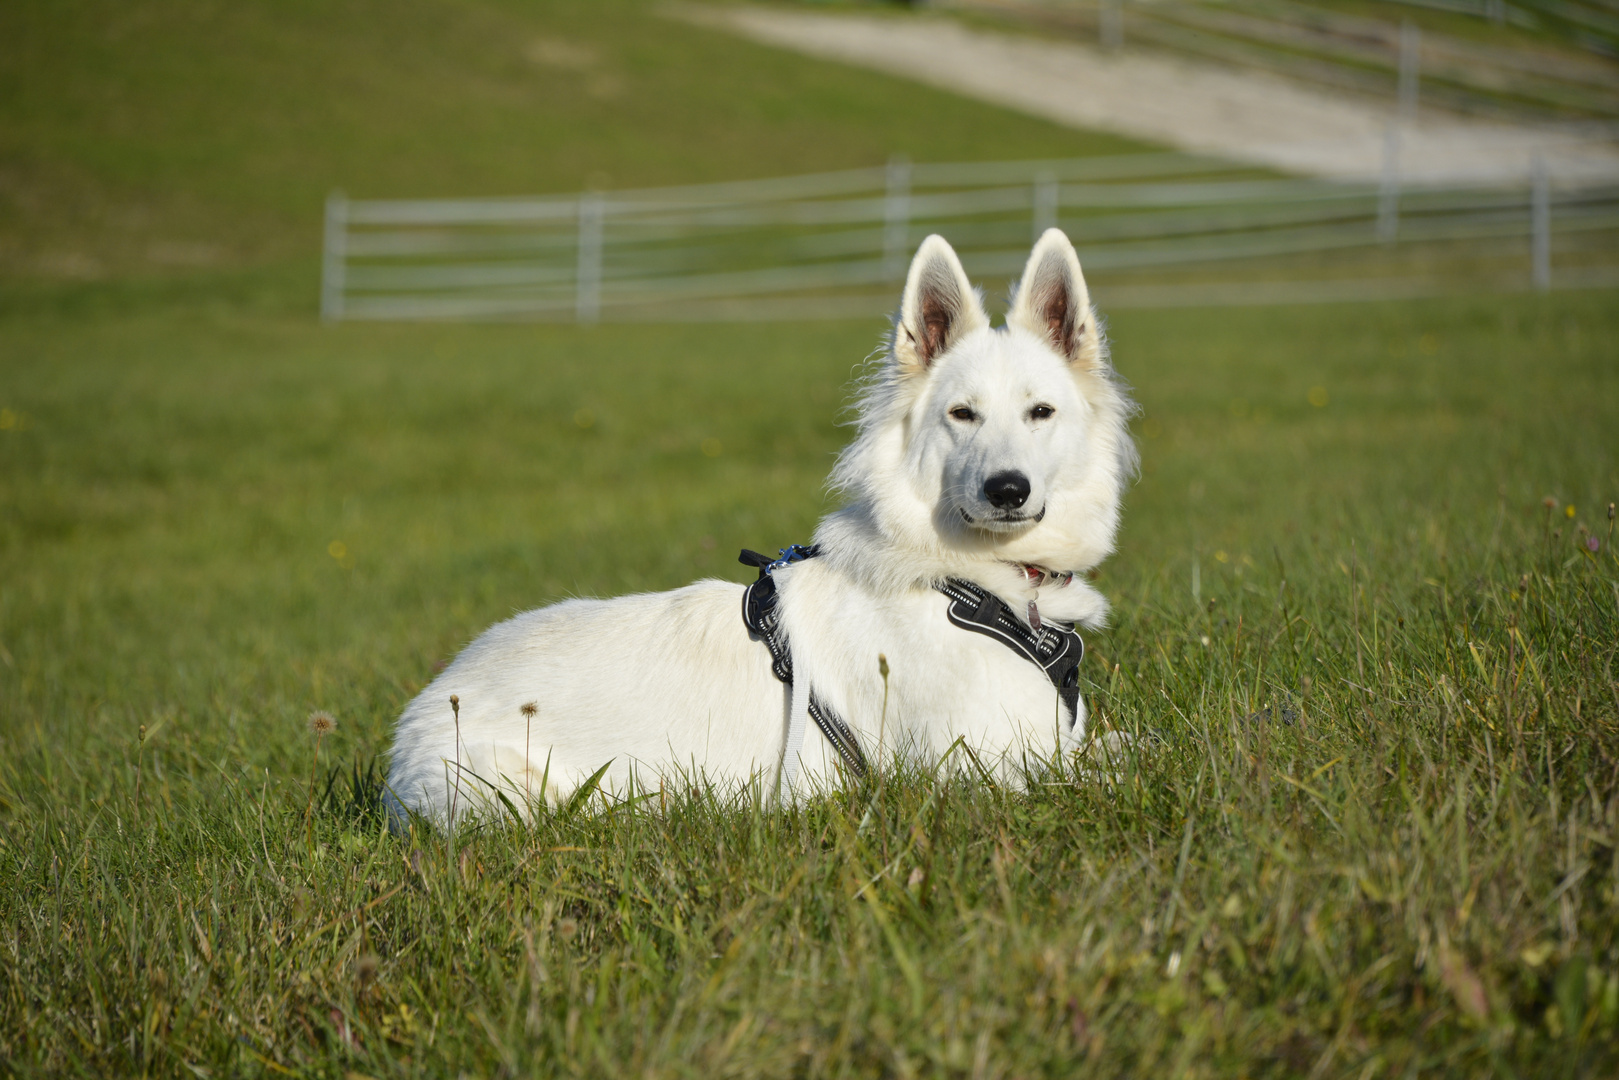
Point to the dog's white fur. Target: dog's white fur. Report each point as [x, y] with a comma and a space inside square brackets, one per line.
[671, 685]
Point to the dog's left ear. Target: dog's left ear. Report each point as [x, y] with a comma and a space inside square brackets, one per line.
[1052, 302]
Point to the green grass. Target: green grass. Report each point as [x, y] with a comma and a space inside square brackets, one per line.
[216, 516]
[1415, 877]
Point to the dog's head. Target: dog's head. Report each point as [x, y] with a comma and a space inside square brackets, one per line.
[1008, 443]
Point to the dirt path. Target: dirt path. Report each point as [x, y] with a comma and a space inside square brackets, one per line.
[1201, 108]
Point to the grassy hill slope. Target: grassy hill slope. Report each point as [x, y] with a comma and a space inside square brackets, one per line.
[168, 136]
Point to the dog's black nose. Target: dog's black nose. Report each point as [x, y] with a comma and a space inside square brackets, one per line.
[1007, 490]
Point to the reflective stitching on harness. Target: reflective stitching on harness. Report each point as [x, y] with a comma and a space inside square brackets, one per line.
[1054, 649]
[761, 612]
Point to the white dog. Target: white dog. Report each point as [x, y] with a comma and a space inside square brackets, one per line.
[989, 464]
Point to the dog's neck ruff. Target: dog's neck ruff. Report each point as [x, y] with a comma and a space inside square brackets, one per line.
[1055, 648]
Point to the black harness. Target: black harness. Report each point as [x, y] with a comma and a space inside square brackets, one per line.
[761, 611]
[1054, 649]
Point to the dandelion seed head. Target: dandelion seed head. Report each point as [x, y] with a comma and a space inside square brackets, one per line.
[529, 710]
[322, 723]
[365, 968]
[1549, 502]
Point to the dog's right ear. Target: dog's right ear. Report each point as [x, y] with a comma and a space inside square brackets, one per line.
[940, 307]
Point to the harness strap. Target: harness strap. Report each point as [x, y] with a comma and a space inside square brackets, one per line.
[761, 612]
[1053, 648]
[839, 734]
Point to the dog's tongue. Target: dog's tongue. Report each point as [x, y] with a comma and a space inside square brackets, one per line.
[1034, 616]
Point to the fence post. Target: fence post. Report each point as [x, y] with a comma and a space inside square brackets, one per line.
[1388, 192]
[587, 282]
[1110, 24]
[1540, 225]
[1410, 69]
[334, 257]
[897, 217]
[1046, 194]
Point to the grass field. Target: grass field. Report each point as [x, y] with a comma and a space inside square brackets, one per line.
[1367, 826]
[1417, 876]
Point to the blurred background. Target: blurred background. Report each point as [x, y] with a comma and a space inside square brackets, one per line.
[1401, 145]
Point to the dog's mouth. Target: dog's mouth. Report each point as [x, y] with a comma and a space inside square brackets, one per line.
[1004, 521]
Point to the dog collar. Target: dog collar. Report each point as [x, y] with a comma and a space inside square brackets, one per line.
[1040, 577]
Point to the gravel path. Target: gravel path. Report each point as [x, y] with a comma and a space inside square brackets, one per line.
[1200, 108]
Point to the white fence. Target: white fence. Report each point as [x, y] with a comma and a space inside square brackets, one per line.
[838, 243]
[1364, 54]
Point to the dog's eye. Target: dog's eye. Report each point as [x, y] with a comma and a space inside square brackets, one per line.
[961, 412]
[1041, 412]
